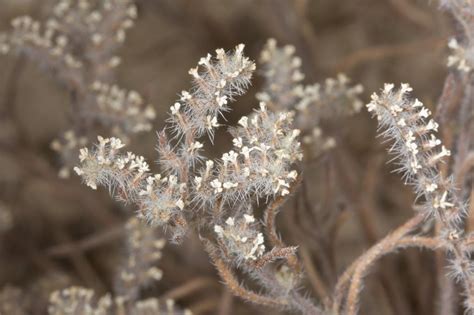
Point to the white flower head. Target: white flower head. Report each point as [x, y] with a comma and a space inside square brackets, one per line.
[175, 108]
[243, 121]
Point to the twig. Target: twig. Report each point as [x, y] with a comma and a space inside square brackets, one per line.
[88, 243]
[189, 287]
[313, 275]
[366, 260]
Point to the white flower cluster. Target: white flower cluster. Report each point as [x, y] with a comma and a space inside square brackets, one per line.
[334, 97]
[42, 42]
[215, 83]
[282, 73]
[67, 146]
[78, 300]
[283, 90]
[462, 57]
[122, 109]
[161, 199]
[241, 238]
[316, 143]
[406, 122]
[127, 175]
[265, 148]
[105, 165]
[143, 248]
[97, 21]
[82, 301]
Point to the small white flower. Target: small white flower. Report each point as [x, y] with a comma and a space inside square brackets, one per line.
[431, 187]
[229, 185]
[92, 185]
[405, 87]
[116, 143]
[249, 218]
[217, 185]
[185, 96]
[205, 60]
[424, 113]
[83, 154]
[231, 157]
[245, 151]
[388, 87]
[219, 230]
[230, 221]
[175, 108]
[433, 141]
[194, 72]
[417, 103]
[221, 100]
[195, 146]
[372, 106]
[293, 174]
[209, 165]
[198, 182]
[180, 204]
[237, 142]
[220, 53]
[243, 121]
[432, 125]
[78, 171]
[211, 122]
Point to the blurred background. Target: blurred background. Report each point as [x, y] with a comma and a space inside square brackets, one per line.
[63, 233]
